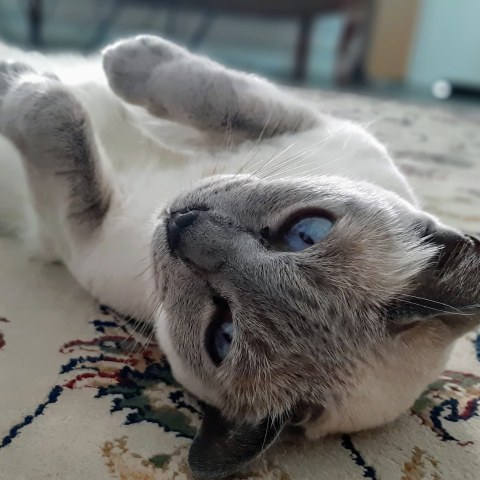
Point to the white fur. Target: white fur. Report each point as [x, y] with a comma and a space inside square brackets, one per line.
[153, 161]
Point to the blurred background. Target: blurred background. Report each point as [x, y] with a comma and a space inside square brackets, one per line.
[419, 50]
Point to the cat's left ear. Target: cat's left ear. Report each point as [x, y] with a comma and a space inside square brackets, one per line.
[221, 447]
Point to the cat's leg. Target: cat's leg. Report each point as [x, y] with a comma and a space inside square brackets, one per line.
[174, 84]
[79, 207]
[51, 130]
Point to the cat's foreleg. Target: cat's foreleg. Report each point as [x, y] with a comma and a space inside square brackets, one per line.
[79, 207]
[52, 132]
[173, 84]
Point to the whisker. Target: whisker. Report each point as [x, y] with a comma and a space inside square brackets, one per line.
[259, 139]
[142, 272]
[276, 174]
[225, 135]
[458, 312]
[301, 155]
[265, 437]
[278, 436]
[324, 165]
[273, 157]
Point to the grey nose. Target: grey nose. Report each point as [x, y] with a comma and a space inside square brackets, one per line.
[178, 222]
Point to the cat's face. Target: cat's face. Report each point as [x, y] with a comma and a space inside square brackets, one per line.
[275, 293]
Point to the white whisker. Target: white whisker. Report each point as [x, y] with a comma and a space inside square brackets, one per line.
[257, 142]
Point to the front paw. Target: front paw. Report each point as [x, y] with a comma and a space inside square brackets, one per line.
[35, 111]
[10, 73]
[130, 65]
[21, 89]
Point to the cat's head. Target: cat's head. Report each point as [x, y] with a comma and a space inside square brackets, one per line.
[276, 292]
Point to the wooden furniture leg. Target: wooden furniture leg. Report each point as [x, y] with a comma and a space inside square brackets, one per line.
[349, 64]
[35, 18]
[302, 48]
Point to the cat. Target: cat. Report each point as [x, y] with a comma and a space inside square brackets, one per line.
[287, 268]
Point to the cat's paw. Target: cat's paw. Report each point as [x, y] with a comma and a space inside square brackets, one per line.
[26, 100]
[131, 64]
[16, 77]
[174, 84]
[10, 73]
[171, 82]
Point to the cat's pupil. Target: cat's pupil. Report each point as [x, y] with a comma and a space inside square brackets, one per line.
[219, 335]
[307, 232]
[223, 340]
[306, 238]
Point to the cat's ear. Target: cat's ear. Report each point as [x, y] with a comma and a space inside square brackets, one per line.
[221, 447]
[448, 287]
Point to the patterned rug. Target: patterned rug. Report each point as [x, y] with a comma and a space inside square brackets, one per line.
[82, 397]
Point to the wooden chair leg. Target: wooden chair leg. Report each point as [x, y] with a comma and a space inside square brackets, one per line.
[302, 49]
[105, 24]
[349, 63]
[202, 31]
[35, 18]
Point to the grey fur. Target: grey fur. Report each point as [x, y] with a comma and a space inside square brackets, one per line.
[309, 325]
[52, 131]
[306, 322]
[150, 72]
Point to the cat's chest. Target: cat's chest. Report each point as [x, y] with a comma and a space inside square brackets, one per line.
[167, 158]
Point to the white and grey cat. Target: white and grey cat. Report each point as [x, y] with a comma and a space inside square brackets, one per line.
[280, 254]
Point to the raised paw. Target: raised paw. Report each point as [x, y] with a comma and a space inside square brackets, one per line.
[174, 84]
[16, 80]
[131, 64]
[37, 112]
[10, 73]
[52, 133]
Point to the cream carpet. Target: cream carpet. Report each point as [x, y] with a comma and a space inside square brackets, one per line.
[76, 404]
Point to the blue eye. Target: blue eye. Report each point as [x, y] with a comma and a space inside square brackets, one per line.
[307, 232]
[219, 335]
[223, 340]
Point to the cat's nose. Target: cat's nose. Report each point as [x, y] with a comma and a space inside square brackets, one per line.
[177, 223]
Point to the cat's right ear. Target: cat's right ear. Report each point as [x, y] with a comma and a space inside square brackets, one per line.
[448, 287]
[221, 447]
